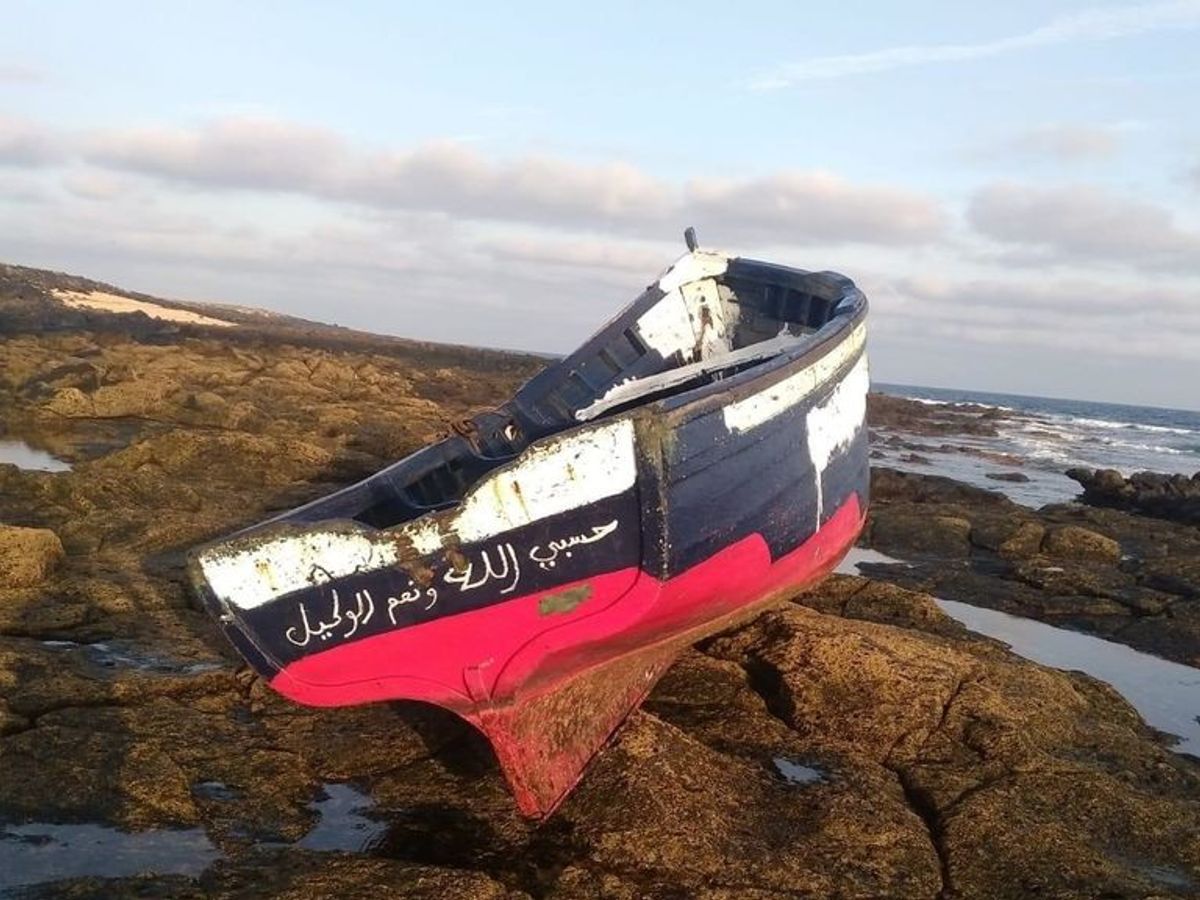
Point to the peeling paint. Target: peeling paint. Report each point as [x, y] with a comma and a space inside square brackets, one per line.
[567, 473]
[833, 425]
[693, 267]
[256, 575]
[768, 403]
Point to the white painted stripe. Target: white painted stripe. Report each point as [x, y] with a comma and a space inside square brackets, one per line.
[770, 402]
[249, 578]
[832, 425]
[552, 477]
[566, 473]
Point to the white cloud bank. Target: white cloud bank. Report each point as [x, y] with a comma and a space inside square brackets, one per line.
[1084, 224]
[445, 177]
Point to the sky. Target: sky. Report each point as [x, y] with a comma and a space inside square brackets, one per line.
[1016, 187]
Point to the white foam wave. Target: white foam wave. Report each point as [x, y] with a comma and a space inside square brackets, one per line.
[1132, 426]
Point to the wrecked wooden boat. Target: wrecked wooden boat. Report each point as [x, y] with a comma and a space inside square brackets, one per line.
[538, 570]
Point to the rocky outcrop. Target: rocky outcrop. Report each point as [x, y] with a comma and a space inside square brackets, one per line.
[914, 417]
[1078, 543]
[1173, 497]
[855, 743]
[27, 555]
[1125, 577]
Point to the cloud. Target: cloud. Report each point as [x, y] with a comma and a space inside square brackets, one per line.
[456, 180]
[262, 154]
[814, 207]
[1127, 319]
[25, 144]
[1089, 25]
[1081, 223]
[13, 73]
[1064, 142]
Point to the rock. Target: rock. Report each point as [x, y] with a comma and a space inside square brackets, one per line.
[1013, 477]
[1008, 536]
[915, 417]
[908, 534]
[891, 485]
[1074, 542]
[27, 556]
[304, 876]
[1172, 497]
[978, 742]
[1023, 542]
[1143, 591]
[856, 597]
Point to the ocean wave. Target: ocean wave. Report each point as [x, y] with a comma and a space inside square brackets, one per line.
[955, 403]
[1137, 445]
[1132, 426]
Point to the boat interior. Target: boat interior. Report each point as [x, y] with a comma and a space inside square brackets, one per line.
[700, 331]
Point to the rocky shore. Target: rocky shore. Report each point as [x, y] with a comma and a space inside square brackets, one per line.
[1128, 578]
[1174, 497]
[852, 742]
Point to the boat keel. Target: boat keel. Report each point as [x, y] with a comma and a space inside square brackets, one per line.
[544, 741]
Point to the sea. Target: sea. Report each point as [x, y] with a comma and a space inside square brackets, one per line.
[1042, 437]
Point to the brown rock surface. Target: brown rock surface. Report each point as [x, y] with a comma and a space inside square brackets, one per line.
[1126, 577]
[948, 767]
[1173, 497]
[27, 555]
[1078, 543]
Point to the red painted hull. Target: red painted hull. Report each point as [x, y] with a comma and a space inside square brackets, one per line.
[524, 682]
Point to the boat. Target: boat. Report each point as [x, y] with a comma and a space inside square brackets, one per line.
[537, 570]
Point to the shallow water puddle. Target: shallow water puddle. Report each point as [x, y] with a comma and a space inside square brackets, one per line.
[23, 456]
[862, 556]
[38, 853]
[796, 773]
[1166, 693]
[341, 826]
[123, 655]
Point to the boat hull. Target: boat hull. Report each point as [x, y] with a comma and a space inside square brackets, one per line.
[529, 709]
[545, 605]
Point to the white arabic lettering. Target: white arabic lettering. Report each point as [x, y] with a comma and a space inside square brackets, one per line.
[362, 615]
[411, 596]
[467, 578]
[548, 558]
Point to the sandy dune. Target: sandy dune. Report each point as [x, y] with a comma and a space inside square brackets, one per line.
[117, 304]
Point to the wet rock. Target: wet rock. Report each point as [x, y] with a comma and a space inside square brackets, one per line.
[977, 741]
[891, 485]
[1009, 537]
[915, 417]
[1173, 497]
[906, 534]
[1075, 542]
[27, 555]
[1013, 477]
[1131, 578]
